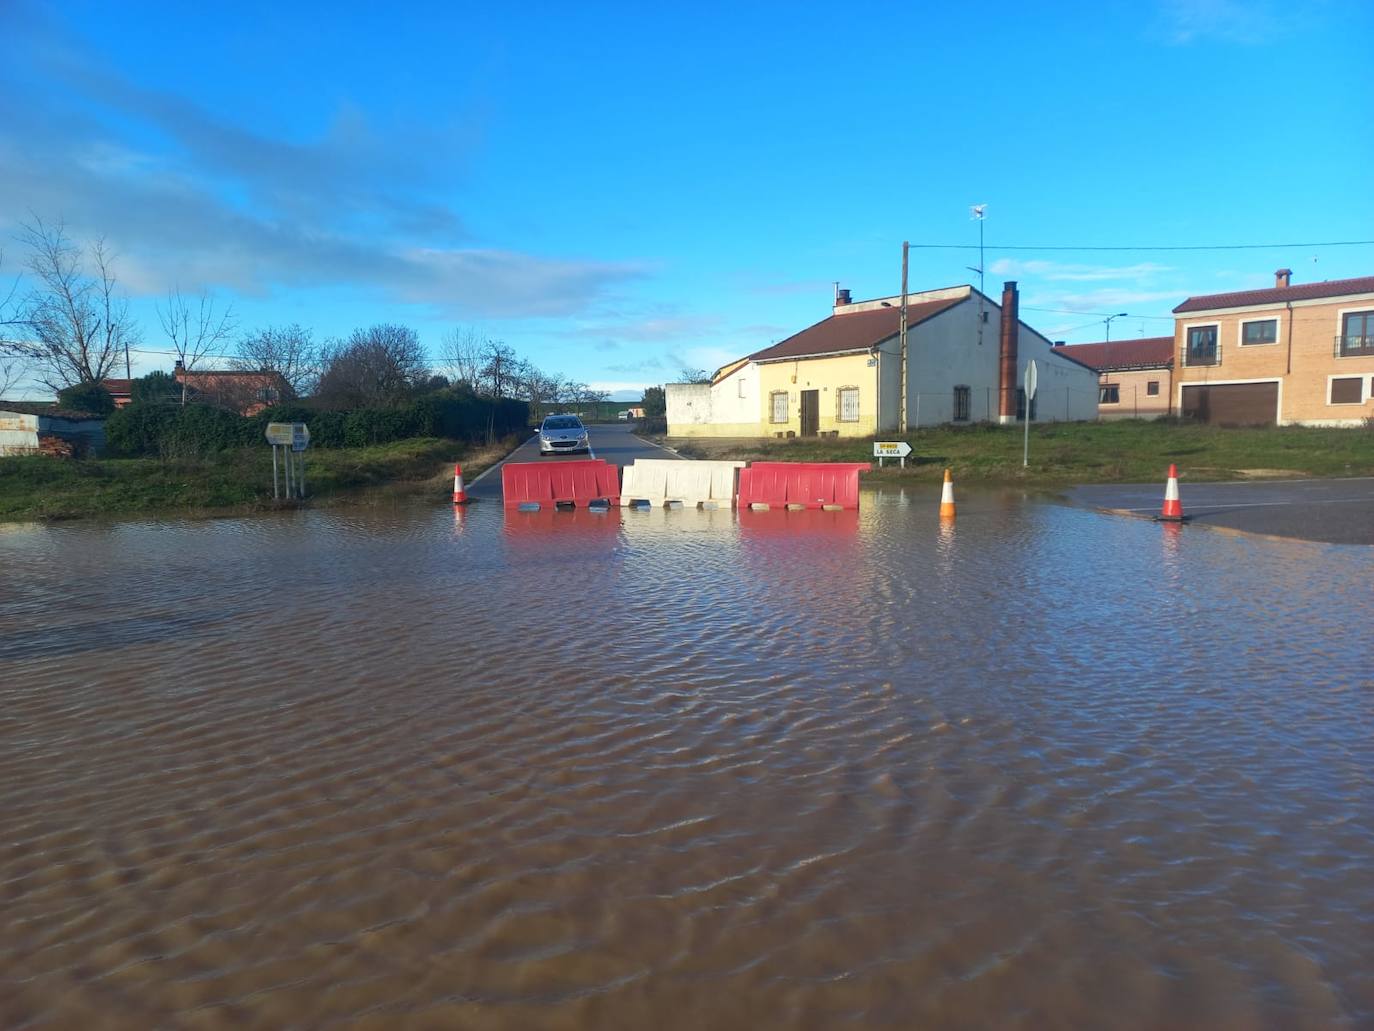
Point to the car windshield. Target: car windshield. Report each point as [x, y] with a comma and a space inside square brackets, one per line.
[562, 422]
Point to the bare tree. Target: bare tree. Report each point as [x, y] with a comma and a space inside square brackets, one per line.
[290, 351]
[462, 354]
[194, 329]
[80, 325]
[14, 370]
[686, 374]
[14, 363]
[375, 366]
[499, 366]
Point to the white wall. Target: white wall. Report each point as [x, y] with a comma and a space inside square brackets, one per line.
[735, 399]
[687, 404]
[946, 351]
[1065, 391]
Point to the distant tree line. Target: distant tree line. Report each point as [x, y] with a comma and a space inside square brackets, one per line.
[71, 329]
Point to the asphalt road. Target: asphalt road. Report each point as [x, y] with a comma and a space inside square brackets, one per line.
[1328, 511]
[614, 442]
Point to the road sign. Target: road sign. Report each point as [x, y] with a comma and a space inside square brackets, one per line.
[891, 449]
[295, 435]
[1032, 375]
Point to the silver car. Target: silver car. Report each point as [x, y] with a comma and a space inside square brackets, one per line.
[563, 433]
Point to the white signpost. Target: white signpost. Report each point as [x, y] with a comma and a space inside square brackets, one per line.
[292, 438]
[891, 449]
[1032, 377]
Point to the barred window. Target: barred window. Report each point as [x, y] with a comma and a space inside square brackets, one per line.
[778, 407]
[849, 404]
[963, 404]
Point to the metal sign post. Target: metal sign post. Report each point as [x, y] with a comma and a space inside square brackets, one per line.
[1032, 377]
[292, 438]
[891, 449]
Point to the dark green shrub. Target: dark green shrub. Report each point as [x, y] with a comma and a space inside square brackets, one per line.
[86, 397]
[155, 388]
[138, 429]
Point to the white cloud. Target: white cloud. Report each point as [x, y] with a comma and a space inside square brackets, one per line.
[219, 205]
[1106, 299]
[1059, 272]
[1248, 22]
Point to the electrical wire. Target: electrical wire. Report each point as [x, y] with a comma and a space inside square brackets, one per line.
[1174, 247]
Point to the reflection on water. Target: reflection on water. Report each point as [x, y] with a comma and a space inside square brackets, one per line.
[671, 768]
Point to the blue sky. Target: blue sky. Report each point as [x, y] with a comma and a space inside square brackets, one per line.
[618, 191]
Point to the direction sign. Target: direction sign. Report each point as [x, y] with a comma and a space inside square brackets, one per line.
[295, 435]
[891, 449]
[1032, 377]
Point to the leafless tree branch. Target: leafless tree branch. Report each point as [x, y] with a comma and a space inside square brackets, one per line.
[79, 324]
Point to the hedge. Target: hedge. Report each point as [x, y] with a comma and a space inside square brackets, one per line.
[173, 431]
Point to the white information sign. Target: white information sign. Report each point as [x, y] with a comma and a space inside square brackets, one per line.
[295, 435]
[891, 449]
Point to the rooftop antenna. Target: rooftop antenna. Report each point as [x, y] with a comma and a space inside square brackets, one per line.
[837, 291]
[979, 212]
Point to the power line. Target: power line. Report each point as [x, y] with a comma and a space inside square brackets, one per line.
[1187, 247]
[1102, 314]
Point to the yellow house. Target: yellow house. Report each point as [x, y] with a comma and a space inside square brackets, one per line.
[842, 376]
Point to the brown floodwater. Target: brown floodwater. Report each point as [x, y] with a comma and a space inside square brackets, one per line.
[397, 767]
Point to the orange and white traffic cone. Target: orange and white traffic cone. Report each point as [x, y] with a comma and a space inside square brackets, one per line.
[460, 496]
[1172, 512]
[947, 497]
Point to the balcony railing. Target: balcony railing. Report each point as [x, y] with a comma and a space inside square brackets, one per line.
[1355, 346]
[1203, 356]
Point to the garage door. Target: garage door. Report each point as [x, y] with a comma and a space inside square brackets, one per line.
[1233, 404]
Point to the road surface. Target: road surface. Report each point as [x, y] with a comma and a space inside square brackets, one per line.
[1329, 511]
[614, 442]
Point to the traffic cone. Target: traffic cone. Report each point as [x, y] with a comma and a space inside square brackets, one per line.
[947, 497]
[460, 496]
[1172, 512]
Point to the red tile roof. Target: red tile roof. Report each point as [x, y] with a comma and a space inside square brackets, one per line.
[1277, 295]
[1147, 353]
[854, 331]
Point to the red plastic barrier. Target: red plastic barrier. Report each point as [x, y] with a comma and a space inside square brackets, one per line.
[808, 484]
[552, 483]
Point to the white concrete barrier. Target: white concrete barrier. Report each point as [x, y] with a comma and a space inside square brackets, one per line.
[661, 481]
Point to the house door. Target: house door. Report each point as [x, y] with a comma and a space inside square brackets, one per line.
[810, 412]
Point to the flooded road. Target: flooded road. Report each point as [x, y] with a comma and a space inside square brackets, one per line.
[404, 767]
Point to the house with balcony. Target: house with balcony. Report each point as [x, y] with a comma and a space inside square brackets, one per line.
[1289, 354]
[1134, 377]
[842, 377]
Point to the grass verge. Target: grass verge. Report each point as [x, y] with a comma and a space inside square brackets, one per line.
[232, 482]
[1128, 451]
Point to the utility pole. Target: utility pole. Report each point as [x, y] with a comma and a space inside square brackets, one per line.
[902, 425]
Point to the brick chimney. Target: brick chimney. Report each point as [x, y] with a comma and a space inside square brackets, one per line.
[1006, 373]
[841, 298]
[1282, 278]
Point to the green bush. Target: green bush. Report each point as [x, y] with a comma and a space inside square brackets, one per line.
[171, 431]
[86, 397]
[137, 429]
[155, 388]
